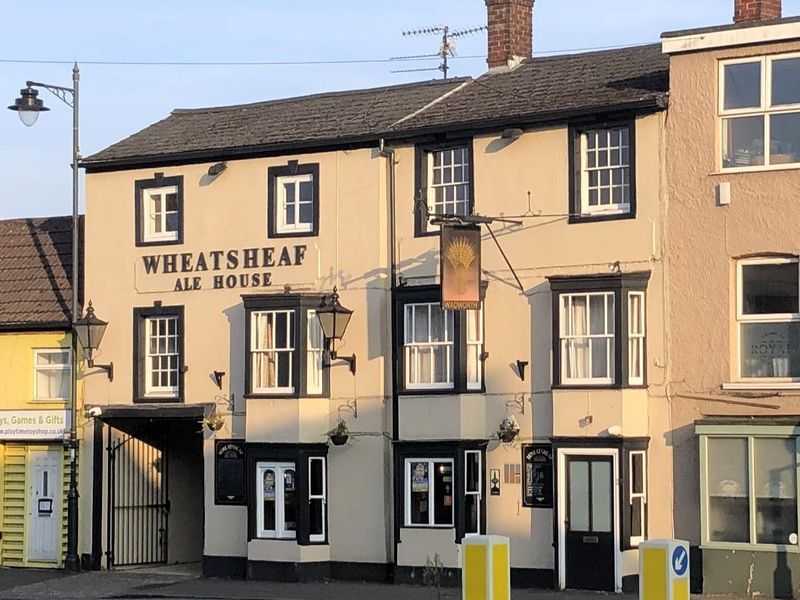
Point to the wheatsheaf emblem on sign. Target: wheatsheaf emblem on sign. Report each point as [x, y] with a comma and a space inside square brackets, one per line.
[460, 249]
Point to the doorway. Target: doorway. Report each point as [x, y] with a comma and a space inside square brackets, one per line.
[44, 505]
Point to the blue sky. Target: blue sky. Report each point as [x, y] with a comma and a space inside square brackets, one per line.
[117, 101]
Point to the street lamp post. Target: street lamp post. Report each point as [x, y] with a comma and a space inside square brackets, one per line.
[28, 106]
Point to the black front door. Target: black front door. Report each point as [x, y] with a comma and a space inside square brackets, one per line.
[589, 550]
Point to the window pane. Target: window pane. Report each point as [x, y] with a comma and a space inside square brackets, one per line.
[316, 485]
[744, 141]
[579, 496]
[602, 498]
[636, 508]
[786, 81]
[784, 138]
[776, 490]
[316, 519]
[269, 499]
[289, 501]
[472, 512]
[473, 472]
[306, 213]
[728, 490]
[742, 85]
[576, 365]
[770, 349]
[421, 322]
[443, 493]
[637, 473]
[419, 483]
[770, 289]
[578, 316]
[600, 356]
[597, 315]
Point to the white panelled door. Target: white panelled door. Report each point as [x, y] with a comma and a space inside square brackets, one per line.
[44, 505]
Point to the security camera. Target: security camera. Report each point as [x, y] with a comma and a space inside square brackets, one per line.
[95, 411]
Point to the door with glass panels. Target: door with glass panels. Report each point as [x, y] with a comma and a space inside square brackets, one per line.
[589, 521]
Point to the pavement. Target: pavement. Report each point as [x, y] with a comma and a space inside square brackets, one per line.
[184, 581]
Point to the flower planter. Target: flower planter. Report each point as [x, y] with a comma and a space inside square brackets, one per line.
[507, 436]
[339, 440]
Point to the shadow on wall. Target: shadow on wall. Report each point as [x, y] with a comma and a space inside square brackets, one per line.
[685, 487]
[782, 577]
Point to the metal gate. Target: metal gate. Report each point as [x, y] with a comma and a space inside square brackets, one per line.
[138, 503]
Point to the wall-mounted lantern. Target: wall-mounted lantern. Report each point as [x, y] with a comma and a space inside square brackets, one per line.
[334, 318]
[90, 331]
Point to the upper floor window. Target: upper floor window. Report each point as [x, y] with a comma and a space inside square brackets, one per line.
[52, 375]
[293, 200]
[158, 350]
[442, 349]
[598, 330]
[285, 346]
[768, 315]
[603, 172]
[444, 183]
[759, 108]
[159, 210]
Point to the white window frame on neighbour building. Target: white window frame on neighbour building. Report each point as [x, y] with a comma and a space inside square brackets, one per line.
[618, 174]
[568, 340]
[765, 110]
[280, 531]
[321, 497]
[477, 493]
[172, 359]
[641, 497]
[636, 338]
[272, 349]
[150, 196]
[296, 226]
[63, 367]
[742, 318]
[431, 492]
[447, 183]
[411, 349]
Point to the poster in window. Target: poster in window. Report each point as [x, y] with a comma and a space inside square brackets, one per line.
[537, 482]
[288, 481]
[269, 485]
[460, 261]
[419, 477]
[230, 483]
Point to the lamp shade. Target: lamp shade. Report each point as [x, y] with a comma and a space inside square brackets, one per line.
[90, 330]
[28, 105]
[333, 317]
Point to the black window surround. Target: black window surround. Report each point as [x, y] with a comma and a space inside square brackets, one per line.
[291, 169]
[444, 450]
[298, 454]
[619, 284]
[158, 181]
[229, 473]
[432, 294]
[421, 200]
[300, 304]
[576, 159]
[140, 315]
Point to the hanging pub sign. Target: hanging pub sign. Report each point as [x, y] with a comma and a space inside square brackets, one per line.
[537, 481]
[230, 480]
[460, 259]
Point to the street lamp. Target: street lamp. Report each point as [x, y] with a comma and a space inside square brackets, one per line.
[334, 318]
[90, 331]
[28, 106]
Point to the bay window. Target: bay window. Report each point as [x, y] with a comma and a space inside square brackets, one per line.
[429, 492]
[277, 506]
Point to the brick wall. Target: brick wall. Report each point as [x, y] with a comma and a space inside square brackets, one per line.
[756, 10]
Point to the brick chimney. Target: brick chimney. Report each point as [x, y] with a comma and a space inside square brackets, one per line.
[756, 10]
[510, 31]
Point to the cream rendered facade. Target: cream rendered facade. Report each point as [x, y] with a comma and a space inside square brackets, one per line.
[365, 529]
[707, 240]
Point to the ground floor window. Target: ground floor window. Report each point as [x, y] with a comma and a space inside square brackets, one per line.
[277, 508]
[750, 484]
[429, 492]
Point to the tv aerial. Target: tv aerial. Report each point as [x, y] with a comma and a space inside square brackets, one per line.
[447, 48]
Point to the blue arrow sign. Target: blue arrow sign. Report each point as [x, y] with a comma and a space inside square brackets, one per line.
[680, 561]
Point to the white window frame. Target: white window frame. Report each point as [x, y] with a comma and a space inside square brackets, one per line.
[65, 367]
[298, 226]
[148, 195]
[161, 390]
[640, 335]
[635, 540]
[564, 305]
[314, 354]
[280, 532]
[478, 493]
[409, 347]
[431, 493]
[276, 351]
[323, 497]
[433, 206]
[765, 109]
[475, 348]
[742, 318]
[612, 208]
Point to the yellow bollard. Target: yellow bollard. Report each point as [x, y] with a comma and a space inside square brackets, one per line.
[664, 570]
[485, 568]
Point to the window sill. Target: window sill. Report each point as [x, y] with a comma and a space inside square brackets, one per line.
[595, 217]
[437, 527]
[750, 547]
[439, 392]
[157, 399]
[145, 243]
[588, 386]
[761, 385]
[756, 169]
[292, 234]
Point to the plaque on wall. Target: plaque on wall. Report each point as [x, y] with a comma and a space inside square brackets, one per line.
[229, 484]
[537, 480]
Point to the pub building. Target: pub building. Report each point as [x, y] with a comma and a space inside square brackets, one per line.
[493, 249]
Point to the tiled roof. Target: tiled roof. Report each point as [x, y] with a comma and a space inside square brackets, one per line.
[36, 272]
[539, 89]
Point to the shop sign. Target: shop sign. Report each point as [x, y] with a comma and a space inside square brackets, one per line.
[494, 482]
[34, 424]
[460, 248]
[537, 481]
[419, 477]
[223, 269]
[230, 469]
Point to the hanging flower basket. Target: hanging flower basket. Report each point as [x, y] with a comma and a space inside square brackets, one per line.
[339, 434]
[339, 440]
[508, 431]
